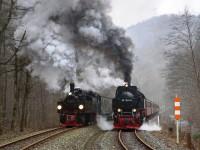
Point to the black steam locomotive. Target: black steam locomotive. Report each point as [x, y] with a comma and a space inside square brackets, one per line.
[131, 108]
[79, 107]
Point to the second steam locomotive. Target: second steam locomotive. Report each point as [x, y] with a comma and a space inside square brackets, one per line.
[131, 108]
[79, 107]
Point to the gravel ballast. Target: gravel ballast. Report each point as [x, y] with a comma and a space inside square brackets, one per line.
[93, 138]
[72, 140]
[160, 141]
[83, 138]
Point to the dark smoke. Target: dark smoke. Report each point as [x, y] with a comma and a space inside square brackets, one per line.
[92, 28]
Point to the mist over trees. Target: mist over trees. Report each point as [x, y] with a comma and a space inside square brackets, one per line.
[167, 49]
[150, 61]
[183, 65]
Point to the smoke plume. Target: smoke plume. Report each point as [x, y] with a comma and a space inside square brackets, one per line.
[58, 30]
[91, 26]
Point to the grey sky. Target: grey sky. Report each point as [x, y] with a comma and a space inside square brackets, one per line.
[129, 12]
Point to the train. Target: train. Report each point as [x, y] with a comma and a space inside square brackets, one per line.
[131, 108]
[79, 107]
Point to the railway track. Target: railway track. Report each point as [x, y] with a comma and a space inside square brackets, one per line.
[33, 140]
[128, 141]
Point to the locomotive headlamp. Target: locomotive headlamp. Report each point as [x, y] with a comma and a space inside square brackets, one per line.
[81, 107]
[119, 110]
[70, 93]
[134, 110]
[59, 107]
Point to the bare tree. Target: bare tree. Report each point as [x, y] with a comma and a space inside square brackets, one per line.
[6, 11]
[8, 18]
[184, 36]
[25, 100]
[16, 84]
[182, 72]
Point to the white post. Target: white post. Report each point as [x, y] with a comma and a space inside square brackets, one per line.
[158, 120]
[177, 131]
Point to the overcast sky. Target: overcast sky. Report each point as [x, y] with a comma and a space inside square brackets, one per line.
[129, 12]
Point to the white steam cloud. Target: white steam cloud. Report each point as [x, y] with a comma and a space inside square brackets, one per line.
[151, 126]
[103, 124]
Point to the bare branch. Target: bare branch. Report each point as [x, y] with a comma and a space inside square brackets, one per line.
[15, 52]
[9, 17]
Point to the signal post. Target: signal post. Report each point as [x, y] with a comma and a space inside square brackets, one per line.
[177, 113]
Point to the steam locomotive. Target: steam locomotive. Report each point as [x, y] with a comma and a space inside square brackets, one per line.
[79, 107]
[131, 108]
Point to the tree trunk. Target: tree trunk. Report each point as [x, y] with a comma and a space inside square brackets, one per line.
[1, 105]
[16, 93]
[1, 2]
[3, 86]
[5, 98]
[26, 117]
[3, 44]
[21, 85]
[25, 101]
[42, 92]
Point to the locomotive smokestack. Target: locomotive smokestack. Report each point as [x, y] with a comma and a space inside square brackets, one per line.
[127, 76]
[72, 85]
[127, 82]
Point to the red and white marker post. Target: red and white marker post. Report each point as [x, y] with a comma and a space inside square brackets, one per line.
[177, 113]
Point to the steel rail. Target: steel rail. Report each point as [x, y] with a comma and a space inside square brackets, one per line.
[142, 141]
[121, 141]
[138, 138]
[46, 138]
[28, 137]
